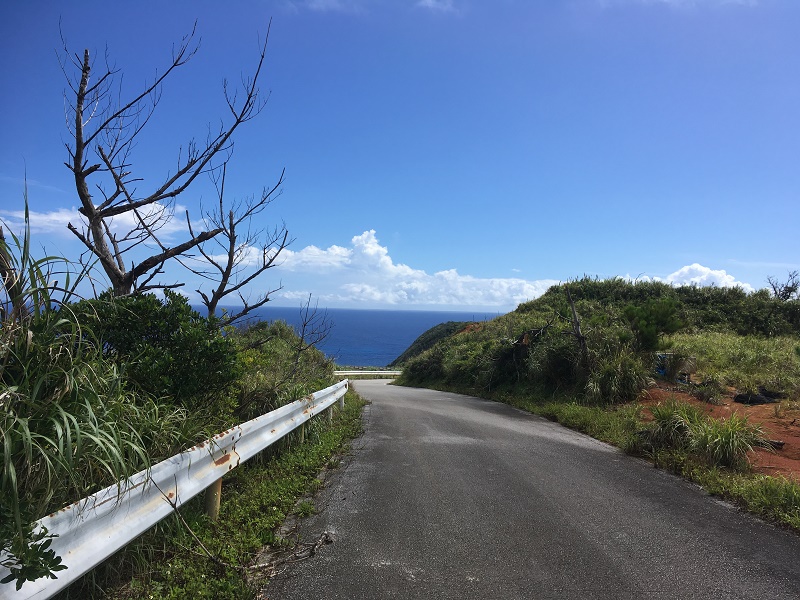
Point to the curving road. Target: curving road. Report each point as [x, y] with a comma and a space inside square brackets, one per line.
[449, 496]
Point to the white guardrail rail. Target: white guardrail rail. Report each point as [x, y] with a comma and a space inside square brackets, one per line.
[371, 373]
[92, 529]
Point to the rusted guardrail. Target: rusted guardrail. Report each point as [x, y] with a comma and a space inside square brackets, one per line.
[92, 529]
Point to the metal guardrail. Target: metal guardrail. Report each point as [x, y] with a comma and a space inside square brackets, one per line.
[92, 529]
[354, 373]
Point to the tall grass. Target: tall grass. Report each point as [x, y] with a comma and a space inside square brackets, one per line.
[673, 423]
[68, 426]
[618, 378]
[681, 427]
[726, 442]
[744, 362]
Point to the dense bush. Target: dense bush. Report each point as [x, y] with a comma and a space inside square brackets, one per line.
[428, 339]
[623, 323]
[744, 362]
[708, 307]
[426, 367]
[277, 366]
[651, 319]
[164, 348]
[553, 360]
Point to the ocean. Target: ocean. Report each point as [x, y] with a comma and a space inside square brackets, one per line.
[370, 338]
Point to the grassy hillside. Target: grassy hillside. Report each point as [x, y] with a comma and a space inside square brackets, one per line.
[429, 339]
[739, 339]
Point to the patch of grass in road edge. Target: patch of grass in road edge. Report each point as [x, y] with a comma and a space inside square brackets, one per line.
[775, 499]
[168, 563]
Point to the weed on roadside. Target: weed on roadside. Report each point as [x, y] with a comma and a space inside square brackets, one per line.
[257, 497]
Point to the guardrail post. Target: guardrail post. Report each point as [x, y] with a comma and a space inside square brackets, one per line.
[213, 496]
[330, 414]
[302, 433]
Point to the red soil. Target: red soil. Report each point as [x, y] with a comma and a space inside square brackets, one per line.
[778, 422]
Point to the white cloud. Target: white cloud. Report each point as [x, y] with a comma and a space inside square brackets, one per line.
[351, 6]
[53, 222]
[313, 259]
[325, 5]
[364, 273]
[175, 221]
[697, 274]
[31, 183]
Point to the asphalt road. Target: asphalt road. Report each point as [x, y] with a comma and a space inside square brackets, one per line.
[448, 496]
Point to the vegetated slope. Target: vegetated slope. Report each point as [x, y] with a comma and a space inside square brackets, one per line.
[537, 347]
[103, 388]
[428, 339]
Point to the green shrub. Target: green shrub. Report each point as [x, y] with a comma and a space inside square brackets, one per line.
[166, 349]
[672, 426]
[554, 360]
[618, 378]
[744, 362]
[710, 389]
[726, 442]
[428, 339]
[652, 319]
[277, 367]
[425, 367]
[681, 427]
[775, 497]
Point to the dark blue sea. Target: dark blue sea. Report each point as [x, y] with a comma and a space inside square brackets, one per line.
[370, 338]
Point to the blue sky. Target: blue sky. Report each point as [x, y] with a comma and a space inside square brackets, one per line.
[451, 154]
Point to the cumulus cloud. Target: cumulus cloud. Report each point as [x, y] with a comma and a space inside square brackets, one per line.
[364, 273]
[697, 274]
[174, 219]
[55, 221]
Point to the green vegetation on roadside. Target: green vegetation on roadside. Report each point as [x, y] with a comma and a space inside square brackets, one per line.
[169, 562]
[587, 367]
[92, 391]
[428, 339]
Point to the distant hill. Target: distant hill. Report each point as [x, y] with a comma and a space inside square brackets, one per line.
[429, 339]
[741, 340]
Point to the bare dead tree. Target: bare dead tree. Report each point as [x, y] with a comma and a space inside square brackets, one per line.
[576, 331]
[785, 290]
[245, 253]
[103, 128]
